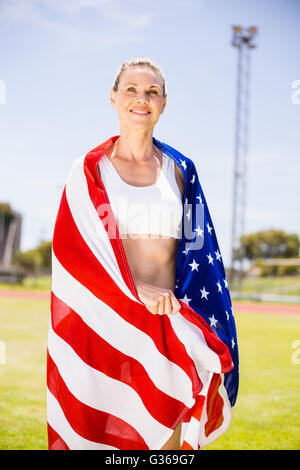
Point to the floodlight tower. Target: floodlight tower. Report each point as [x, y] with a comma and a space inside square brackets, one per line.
[243, 40]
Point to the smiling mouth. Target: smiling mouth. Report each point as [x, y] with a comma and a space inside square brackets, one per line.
[140, 113]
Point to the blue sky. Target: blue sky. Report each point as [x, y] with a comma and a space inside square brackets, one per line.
[58, 59]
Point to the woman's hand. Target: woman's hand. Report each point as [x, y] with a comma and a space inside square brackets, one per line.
[157, 300]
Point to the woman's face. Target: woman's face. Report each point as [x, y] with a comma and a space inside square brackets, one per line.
[139, 99]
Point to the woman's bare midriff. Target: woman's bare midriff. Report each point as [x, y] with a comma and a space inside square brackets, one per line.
[152, 260]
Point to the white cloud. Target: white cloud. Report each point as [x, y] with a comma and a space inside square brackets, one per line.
[63, 21]
[72, 6]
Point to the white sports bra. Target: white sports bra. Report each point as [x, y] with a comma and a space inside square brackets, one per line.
[154, 210]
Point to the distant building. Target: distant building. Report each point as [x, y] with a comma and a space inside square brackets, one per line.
[10, 240]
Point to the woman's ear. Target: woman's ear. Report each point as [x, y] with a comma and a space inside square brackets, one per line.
[164, 104]
[113, 100]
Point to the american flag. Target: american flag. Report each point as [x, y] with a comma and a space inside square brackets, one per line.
[119, 377]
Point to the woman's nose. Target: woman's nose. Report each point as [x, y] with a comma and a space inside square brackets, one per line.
[143, 97]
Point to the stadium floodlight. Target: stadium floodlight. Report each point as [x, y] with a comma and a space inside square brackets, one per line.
[243, 40]
[237, 28]
[252, 29]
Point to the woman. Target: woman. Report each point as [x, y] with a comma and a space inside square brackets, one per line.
[139, 96]
[130, 365]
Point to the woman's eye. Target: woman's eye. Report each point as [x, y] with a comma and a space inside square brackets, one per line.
[150, 91]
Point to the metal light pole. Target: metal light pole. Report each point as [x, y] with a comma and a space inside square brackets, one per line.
[243, 40]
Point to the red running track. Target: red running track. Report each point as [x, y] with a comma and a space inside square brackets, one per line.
[238, 307]
[273, 308]
[24, 294]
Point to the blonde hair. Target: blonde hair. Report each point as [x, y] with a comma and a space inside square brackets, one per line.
[142, 62]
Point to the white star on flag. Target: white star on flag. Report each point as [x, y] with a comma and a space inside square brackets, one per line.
[200, 199]
[219, 287]
[199, 231]
[226, 283]
[186, 299]
[209, 228]
[232, 343]
[218, 255]
[186, 251]
[210, 259]
[213, 321]
[204, 293]
[193, 179]
[183, 164]
[227, 315]
[194, 265]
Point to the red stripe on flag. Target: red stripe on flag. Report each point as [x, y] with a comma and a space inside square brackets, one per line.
[87, 343]
[212, 340]
[186, 446]
[196, 410]
[215, 406]
[91, 424]
[55, 442]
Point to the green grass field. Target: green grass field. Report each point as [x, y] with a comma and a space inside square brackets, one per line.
[284, 285]
[30, 282]
[287, 285]
[266, 415]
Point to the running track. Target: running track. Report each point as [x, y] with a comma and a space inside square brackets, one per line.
[238, 307]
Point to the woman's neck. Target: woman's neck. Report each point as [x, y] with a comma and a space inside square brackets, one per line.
[134, 145]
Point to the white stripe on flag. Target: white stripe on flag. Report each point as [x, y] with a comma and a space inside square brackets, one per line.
[105, 393]
[59, 423]
[192, 337]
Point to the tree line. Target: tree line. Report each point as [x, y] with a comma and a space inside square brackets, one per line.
[36, 261]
